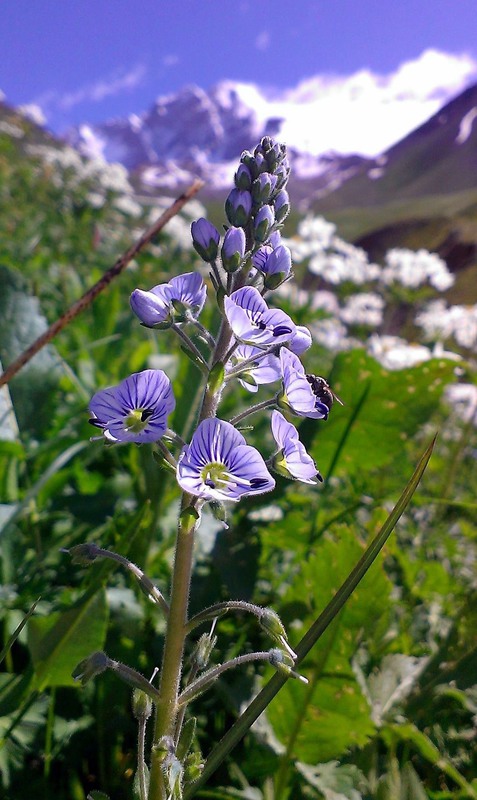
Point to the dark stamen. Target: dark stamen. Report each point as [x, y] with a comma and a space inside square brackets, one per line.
[210, 483]
[97, 423]
[148, 412]
[281, 330]
[257, 483]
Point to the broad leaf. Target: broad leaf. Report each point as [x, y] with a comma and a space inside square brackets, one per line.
[60, 641]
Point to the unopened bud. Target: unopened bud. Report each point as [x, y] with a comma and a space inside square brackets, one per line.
[262, 223]
[284, 663]
[238, 207]
[243, 178]
[233, 249]
[141, 705]
[262, 188]
[90, 667]
[281, 205]
[205, 238]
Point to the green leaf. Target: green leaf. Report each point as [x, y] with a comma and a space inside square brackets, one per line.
[60, 641]
[427, 749]
[16, 633]
[390, 685]
[333, 781]
[21, 322]
[332, 714]
[391, 412]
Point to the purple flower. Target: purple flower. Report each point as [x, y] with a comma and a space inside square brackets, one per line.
[243, 178]
[262, 369]
[205, 238]
[262, 188]
[136, 410]
[180, 299]
[253, 322]
[233, 249]
[238, 207]
[298, 395]
[219, 464]
[262, 223]
[292, 460]
[281, 205]
[301, 341]
[274, 263]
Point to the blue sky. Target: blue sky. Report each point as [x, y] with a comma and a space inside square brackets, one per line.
[89, 60]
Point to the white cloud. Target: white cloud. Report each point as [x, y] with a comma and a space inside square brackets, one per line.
[170, 60]
[114, 84]
[364, 112]
[262, 42]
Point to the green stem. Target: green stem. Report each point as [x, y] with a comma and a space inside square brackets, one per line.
[204, 681]
[190, 345]
[167, 708]
[219, 609]
[253, 410]
[141, 765]
[49, 734]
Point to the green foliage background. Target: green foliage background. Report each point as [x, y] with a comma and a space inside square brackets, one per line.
[391, 704]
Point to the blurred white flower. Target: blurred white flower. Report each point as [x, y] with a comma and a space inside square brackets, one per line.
[363, 309]
[412, 269]
[395, 353]
[442, 322]
[463, 399]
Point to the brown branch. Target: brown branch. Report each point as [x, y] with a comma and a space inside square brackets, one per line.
[98, 287]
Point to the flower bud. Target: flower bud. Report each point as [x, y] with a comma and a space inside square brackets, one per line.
[284, 663]
[281, 173]
[205, 238]
[94, 665]
[202, 651]
[260, 164]
[262, 188]
[262, 223]
[233, 249]
[243, 178]
[277, 267]
[238, 207]
[141, 704]
[272, 624]
[83, 554]
[281, 205]
[151, 310]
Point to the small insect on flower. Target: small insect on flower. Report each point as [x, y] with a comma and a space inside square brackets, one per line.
[322, 391]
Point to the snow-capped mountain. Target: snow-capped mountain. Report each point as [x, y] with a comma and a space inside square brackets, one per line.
[198, 133]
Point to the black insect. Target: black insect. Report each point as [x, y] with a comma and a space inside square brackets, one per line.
[321, 390]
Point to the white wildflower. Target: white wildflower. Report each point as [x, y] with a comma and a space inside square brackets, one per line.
[395, 353]
[363, 309]
[412, 269]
